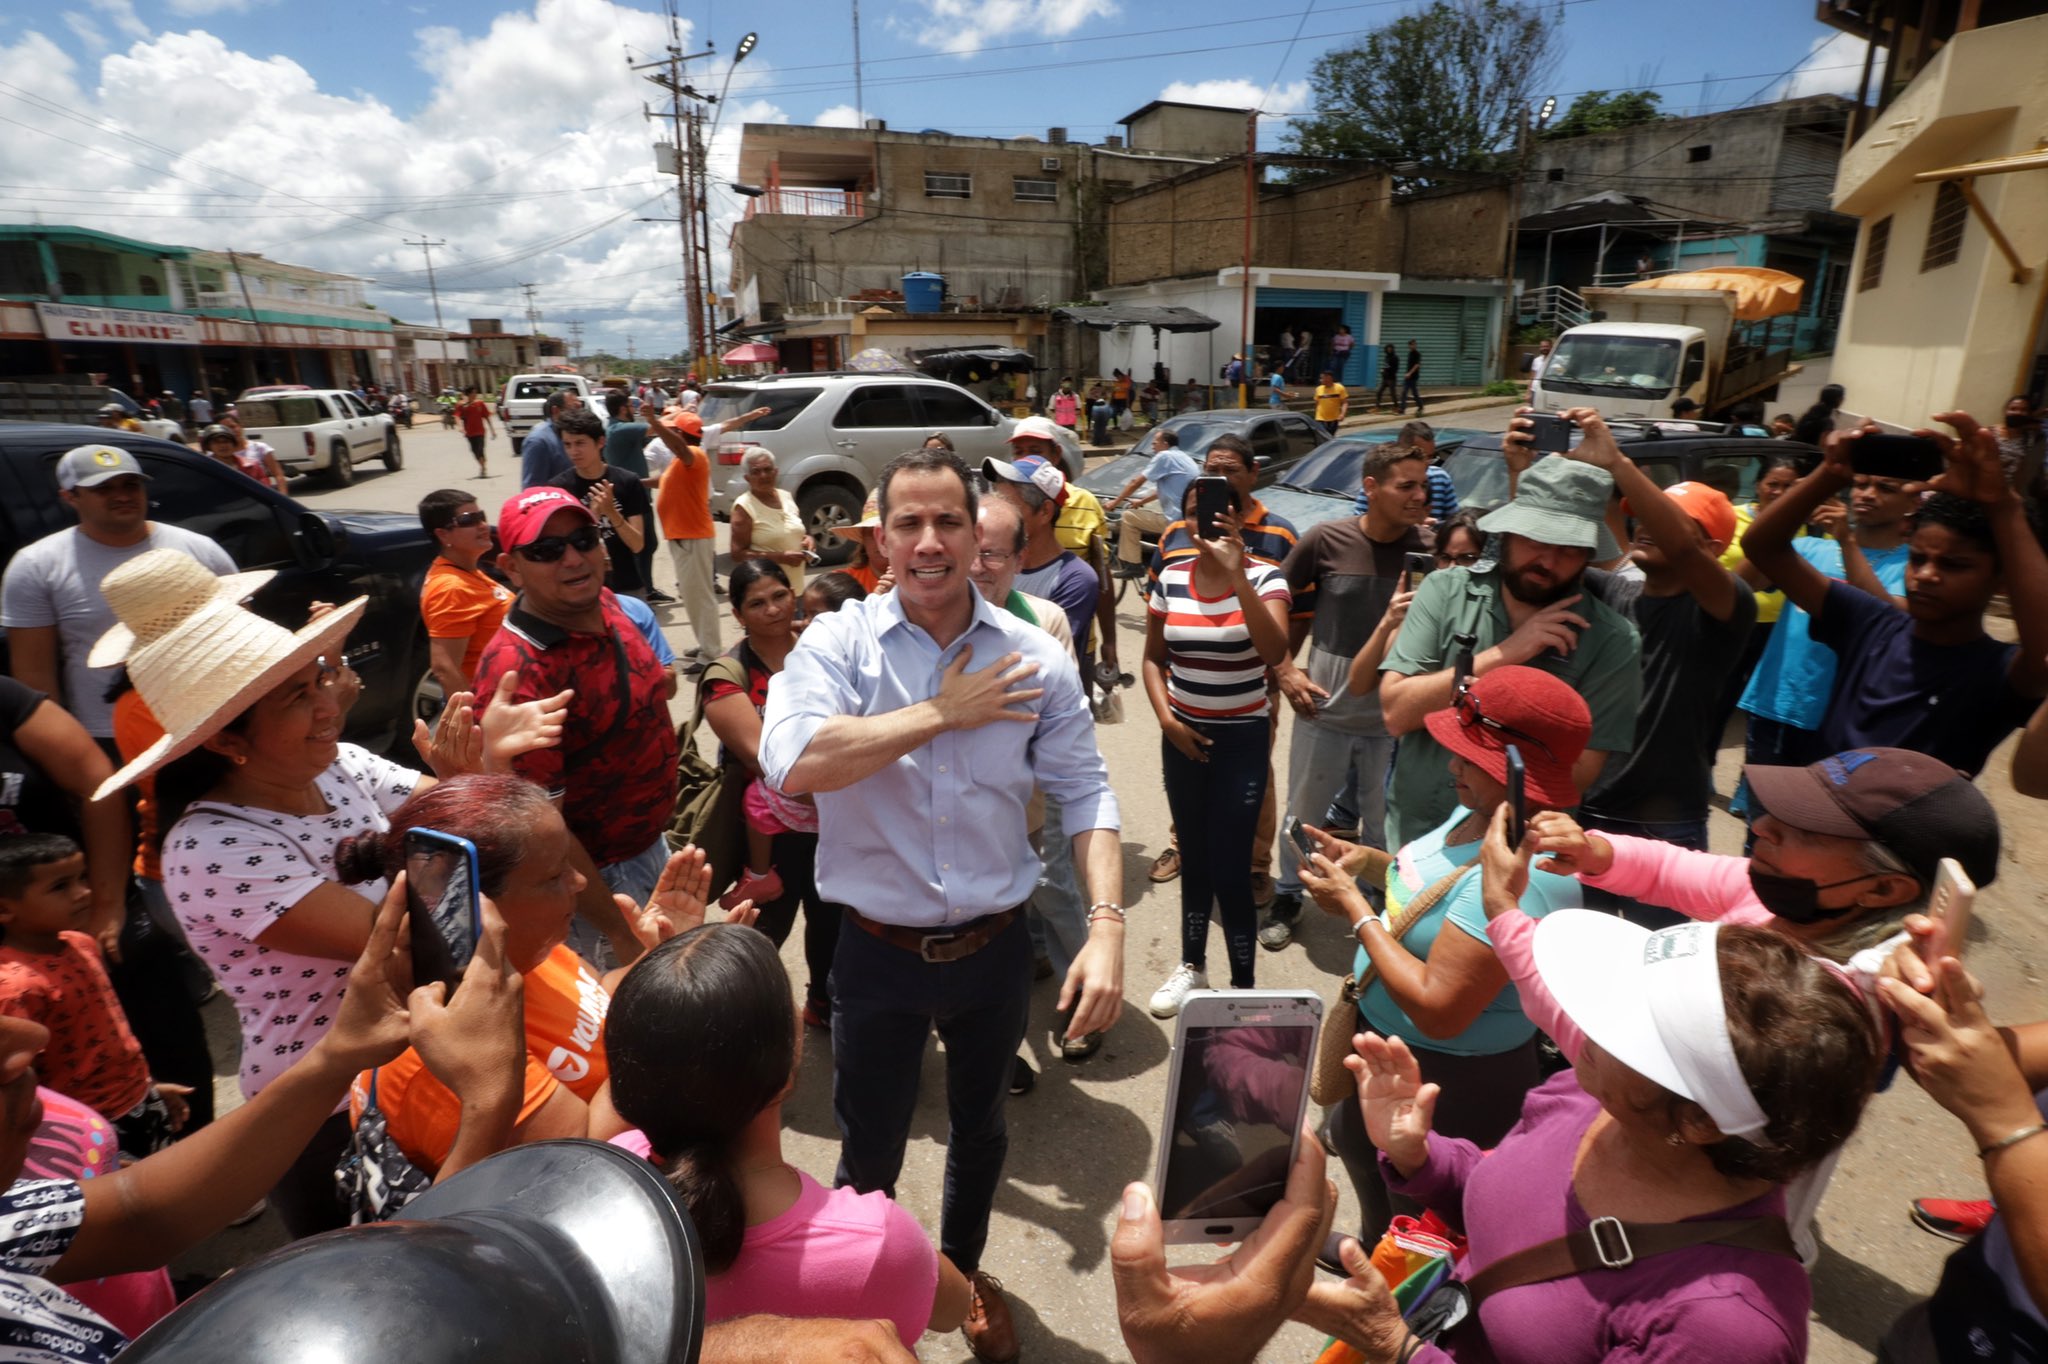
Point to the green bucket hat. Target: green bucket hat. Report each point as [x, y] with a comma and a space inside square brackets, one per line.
[1559, 502]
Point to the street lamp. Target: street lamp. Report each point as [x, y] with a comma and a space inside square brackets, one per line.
[746, 45]
[1549, 108]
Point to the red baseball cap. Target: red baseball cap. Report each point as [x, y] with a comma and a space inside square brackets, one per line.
[1539, 714]
[526, 512]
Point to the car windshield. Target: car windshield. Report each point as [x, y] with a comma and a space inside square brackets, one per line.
[1197, 435]
[539, 388]
[1338, 466]
[723, 402]
[1304, 507]
[1587, 362]
[294, 411]
[1480, 476]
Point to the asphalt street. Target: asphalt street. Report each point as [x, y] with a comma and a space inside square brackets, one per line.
[1089, 1128]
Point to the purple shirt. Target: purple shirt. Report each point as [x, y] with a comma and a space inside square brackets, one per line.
[1706, 1304]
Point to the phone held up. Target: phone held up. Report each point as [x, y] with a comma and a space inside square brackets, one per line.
[1232, 1128]
[1212, 499]
[1298, 835]
[1949, 903]
[1550, 434]
[1518, 801]
[442, 895]
[1415, 566]
[1915, 459]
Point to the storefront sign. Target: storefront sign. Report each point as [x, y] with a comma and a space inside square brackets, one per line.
[69, 322]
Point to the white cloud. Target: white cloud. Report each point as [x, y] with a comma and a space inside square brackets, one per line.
[1833, 66]
[102, 21]
[189, 8]
[530, 133]
[1286, 100]
[838, 116]
[966, 26]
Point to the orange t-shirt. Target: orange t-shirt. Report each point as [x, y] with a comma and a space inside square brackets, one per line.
[92, 1056]
[683, 501]
[463, 603]
[136, 728]
[565, 1008]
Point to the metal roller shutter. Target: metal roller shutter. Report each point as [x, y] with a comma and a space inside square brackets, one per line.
[1450, 329]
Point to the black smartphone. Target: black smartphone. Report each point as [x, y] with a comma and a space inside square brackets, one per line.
[1461, 660]
[1518, 801]
[1212, 499]
[1303, 844]
[1884, 455]
[1549, 433]
[1414, 567]
[443, 898]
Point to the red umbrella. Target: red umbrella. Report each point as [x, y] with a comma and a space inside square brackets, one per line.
[752, 353]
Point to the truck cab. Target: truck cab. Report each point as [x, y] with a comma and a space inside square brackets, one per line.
[1625, 369]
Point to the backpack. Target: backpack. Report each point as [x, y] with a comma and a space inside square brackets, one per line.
[707, 809]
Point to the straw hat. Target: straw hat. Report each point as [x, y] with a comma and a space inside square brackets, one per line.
[198, 657]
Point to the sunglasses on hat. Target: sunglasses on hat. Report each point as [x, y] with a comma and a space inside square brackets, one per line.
[549, 548]
[1470, 715]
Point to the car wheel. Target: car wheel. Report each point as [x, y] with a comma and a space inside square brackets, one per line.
[341, 468]
[827, 508]
[394, 458]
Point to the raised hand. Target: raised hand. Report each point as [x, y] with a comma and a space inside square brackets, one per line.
[475, 1043]
[1504, 870]
[371, 1024]
[1974, 470]
[1556, 626]
[1398, 1108]
[511, 728]
[457, 745]
[1567, 849]
[970, 700]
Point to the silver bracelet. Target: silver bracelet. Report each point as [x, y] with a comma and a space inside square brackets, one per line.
[1985, 1152]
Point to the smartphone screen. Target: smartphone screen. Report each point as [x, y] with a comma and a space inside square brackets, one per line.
[1884, 455]
[1237, 1105]
[1518, 804]
[1303, 844]
[441, 895]
[1950, 901]
[1212, 499]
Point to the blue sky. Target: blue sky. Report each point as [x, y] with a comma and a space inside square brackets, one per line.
[327, 133]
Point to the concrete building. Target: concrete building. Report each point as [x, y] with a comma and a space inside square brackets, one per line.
[1013, 224]
[1339, 250]
[1744, 187]
[150, 316]
[1949, 175]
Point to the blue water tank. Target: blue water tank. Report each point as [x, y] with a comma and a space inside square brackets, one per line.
[923, 292]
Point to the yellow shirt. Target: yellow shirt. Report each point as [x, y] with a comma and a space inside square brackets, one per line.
[1331, 400]
[1768, 604]
[1080, 520]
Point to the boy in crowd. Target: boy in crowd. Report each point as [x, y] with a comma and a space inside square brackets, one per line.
[50, 973]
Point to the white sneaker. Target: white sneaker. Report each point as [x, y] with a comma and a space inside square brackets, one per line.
[1168, 998]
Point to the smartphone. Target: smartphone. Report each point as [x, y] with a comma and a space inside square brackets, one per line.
[1298, 834]
[1212, 499]
[1950, 902]
[1414, 567]
[1236, 1089]
[1461, 660]
[1883, 455]
[1550, 433]
[1518, 800]
[442, 895]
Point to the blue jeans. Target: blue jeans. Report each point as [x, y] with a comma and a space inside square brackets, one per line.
[1684, 833]
[885, 1003]
[1215, 807]
[1058, 917]
[633, 876]
[1323, 764]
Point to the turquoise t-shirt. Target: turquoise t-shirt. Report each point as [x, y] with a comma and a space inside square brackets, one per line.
[1795, 675]
[1501, 1026]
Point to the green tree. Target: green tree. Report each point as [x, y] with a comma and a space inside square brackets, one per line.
[1442, 87]
[1597, 111]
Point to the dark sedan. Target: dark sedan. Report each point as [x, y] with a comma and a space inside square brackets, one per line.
[1730, 458]
[1324, 486]
[1279, 440]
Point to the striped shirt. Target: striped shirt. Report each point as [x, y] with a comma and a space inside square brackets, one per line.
[1213, 673]
[1268, 538]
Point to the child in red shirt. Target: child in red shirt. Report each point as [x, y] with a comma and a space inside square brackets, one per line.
[51, 974]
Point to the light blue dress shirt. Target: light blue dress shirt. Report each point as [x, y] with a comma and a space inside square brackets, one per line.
[937, 837]
[1170, 471]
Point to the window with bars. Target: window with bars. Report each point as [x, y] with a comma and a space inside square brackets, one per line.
[1945, 228]
[1873, 255]
[948, 185]
[1031, 190]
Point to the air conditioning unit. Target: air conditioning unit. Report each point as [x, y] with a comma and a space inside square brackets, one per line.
[1048, 163]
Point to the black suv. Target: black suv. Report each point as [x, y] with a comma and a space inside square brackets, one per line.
[334, 557]
[1726, 457]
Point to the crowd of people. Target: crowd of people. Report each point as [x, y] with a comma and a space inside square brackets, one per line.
[1621, 1067]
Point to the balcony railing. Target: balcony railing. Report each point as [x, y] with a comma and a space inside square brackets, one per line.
[811, 203]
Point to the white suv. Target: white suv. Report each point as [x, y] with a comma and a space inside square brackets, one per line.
[833, 433]
[520, 402]
[324, 430]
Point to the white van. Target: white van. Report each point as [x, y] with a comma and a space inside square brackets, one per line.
[520, 402]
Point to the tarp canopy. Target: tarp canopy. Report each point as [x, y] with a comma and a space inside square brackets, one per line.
[974, 362]
[1109, 316]
[752, 353]
[1759, 292]
[875, 360]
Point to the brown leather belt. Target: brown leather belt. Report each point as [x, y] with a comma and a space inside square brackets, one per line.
[940, 946]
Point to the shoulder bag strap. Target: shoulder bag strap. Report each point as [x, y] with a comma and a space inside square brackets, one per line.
[1612, 1244]
[1411, 914]
[728, 669]
[290, 842]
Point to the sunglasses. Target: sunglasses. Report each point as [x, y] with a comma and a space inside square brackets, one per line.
[470, 518]
[1470, 715]
[550, 548]
[1465, 560]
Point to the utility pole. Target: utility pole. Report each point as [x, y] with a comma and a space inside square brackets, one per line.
[668, 74]
[532, 309]
[428, 248]
[575, 338]
[1251, 201]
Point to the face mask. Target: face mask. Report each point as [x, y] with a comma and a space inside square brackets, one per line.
[1797, 900]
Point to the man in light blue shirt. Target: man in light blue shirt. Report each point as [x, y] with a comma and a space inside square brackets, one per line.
[921, 719]
[1169, 472]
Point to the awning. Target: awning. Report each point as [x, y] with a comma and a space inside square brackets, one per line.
[1109, 316]
[973, 363]
[752, 353]
[1759, 292]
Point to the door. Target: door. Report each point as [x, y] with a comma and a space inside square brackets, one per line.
[364, 437]
[1450, 330]
[974, 426]
[877, 422]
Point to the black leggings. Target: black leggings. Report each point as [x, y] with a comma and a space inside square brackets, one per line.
[1215, 807]
[1481, 1099]
[796, 862]
[150, 981]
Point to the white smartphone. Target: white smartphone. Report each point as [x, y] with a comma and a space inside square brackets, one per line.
[1950, 902]
[1236, 1089]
